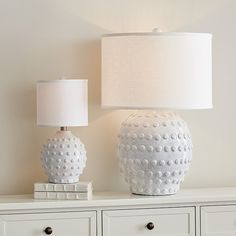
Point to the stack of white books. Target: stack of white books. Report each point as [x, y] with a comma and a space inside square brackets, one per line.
[75, 191]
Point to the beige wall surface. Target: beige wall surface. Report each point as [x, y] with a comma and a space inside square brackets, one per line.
[43, 39]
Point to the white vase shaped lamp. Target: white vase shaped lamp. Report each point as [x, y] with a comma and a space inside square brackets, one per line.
[63, 103]
[151, 71]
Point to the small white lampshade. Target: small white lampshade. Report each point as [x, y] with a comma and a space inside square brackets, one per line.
[62, 103]
[157, 70]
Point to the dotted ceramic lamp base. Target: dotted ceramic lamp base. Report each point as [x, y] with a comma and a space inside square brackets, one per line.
[155, 151]
[64, 158]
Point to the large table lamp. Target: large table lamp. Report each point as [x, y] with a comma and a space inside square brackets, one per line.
[156, 73]
[63, 103]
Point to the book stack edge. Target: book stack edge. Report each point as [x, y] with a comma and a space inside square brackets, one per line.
[51, 191]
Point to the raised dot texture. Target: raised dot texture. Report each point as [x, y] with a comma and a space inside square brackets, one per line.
[166, 149]
[165, 191]
[165, 136]
[170, 162]
[158, 148]
[140, 190]
[141, 173]
[155, 125]
[157, 137]
[148, 136]
[150, 148]
[174, 173]
[168, 181]
[159, 174]
[162, 163]
[150, 174]
[137, 161]
[141, 136]
[154, 163]
[167, 174]
[154, 137]
[180, 136]
[142, 148]
[145, 163]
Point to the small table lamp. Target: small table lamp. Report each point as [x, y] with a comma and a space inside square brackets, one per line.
[150, 71]
[63, 103]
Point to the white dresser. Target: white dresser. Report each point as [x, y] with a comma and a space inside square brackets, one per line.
[191, 212]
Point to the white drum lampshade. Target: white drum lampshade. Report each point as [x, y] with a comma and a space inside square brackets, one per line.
[63, 103]
[151, 71]
[157, 70]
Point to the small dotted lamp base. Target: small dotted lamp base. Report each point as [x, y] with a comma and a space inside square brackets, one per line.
[63, 158]
[155, 151]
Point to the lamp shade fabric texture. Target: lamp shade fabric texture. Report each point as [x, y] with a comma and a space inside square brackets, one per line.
[62, 103]
[157, 70]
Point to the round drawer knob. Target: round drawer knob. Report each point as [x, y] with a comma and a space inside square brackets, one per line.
[150, 226]
[48, 230]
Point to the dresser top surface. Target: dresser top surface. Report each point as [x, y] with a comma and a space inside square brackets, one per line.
[113, 199]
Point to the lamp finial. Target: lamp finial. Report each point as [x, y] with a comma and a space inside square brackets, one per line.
[156, 30]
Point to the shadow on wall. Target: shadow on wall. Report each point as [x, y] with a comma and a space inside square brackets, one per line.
[41, 41]
[213, 130]
[20, 151]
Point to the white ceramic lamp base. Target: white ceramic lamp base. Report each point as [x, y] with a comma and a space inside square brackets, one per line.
[155, 151]
[64, 158]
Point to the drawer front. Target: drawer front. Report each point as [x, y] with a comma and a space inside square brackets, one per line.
[168, 221]
[218, 221]
[62, 224]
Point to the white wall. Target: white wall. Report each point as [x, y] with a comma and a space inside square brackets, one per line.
[39, 39]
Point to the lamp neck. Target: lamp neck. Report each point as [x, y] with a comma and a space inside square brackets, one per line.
[64, 128]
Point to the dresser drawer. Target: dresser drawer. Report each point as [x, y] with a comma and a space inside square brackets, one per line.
[168, 221]
[62, 224]
[218, 220]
